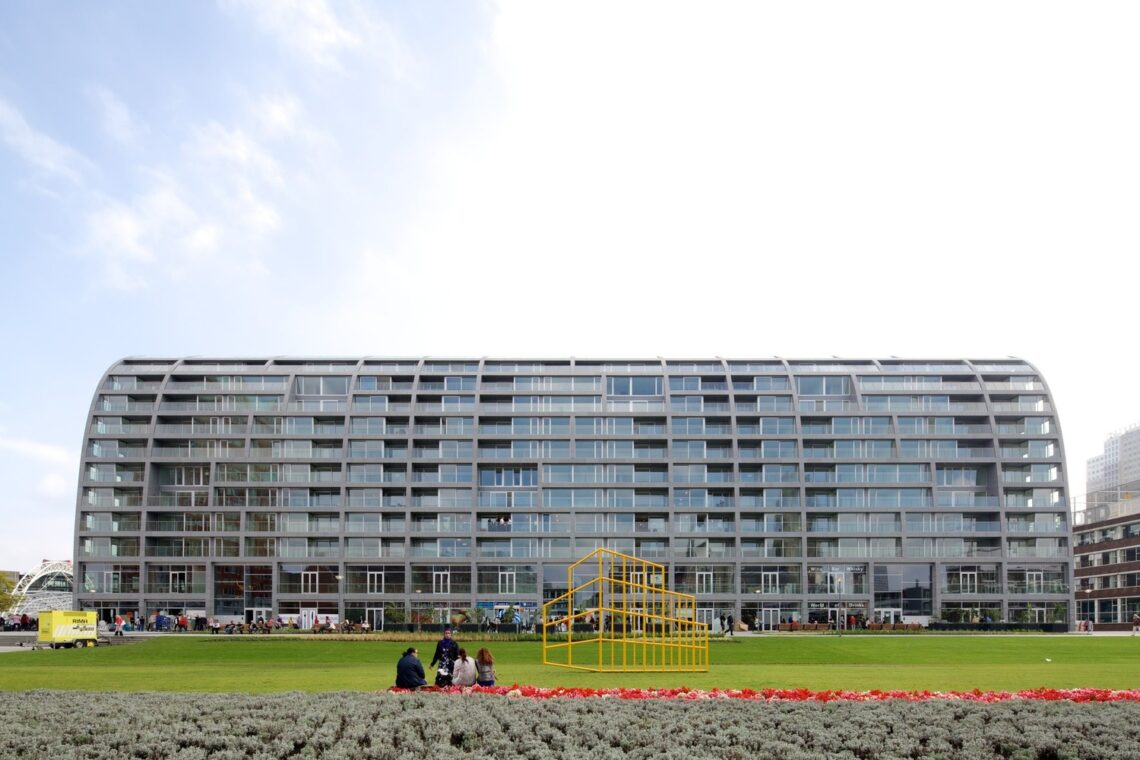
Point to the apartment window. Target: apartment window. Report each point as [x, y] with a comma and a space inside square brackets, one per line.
[823, 386]
[634, 386]
[322, 386]
[508, 477]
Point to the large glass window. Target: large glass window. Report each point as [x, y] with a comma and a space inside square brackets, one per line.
[905, 587]
[493, 477]
[322, 386]
[823, 386]
[634, 386]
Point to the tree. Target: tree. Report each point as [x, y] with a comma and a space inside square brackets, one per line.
[8, 599]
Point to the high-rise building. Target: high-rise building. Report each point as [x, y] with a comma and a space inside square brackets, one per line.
[1107, 535]
[426, 490]
[1119, 464]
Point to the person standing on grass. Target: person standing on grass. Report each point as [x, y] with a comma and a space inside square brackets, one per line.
[484, 668]
[410, 671]
[1135, 622]
[730, 622]
[446, 652]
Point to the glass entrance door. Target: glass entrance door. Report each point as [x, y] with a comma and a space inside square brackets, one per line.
[253, 613]
[769, 619]
[889, 614]
[375, 618]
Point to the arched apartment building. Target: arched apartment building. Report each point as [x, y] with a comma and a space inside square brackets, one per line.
[420, 490]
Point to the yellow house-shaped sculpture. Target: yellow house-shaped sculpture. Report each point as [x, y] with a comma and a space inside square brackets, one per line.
[623, 619]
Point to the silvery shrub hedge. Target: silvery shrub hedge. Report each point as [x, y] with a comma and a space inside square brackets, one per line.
[58, 724]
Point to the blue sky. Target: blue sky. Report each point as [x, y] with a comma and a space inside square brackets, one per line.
[634, 179]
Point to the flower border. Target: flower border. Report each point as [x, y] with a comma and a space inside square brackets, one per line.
[797, 695]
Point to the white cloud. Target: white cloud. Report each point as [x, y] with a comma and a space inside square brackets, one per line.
[37, 148]
[278, 115]
[309, 29]
[235, 151]
[220, 196]
[326, 36]
[55, 486]
[116, 117]
[41, 452]
[158, 226]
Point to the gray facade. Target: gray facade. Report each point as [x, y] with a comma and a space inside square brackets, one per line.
[421, 490]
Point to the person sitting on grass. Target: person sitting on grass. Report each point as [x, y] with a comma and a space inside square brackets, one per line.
[410, 671]
[484, 668]
[463, 673]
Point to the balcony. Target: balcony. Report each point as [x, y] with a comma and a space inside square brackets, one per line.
[828, 405]
[191, 407]
[979, 587]
[113, 501]
[313, 477]
[200, 429]
[1038, 587]
[123, 452]
[187, 386]
[183, 452]
[911, 387]
[125, 406]
[1016, 453]
[962, 500]
[318, 453]
[1036, 406]
[125, 429]
[114, 477]
[1029, 387]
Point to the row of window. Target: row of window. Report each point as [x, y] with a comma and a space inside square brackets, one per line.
[565, 449]
[564, 522]
[726, 548]
[843, 497]
[580, 425]
[446, 579]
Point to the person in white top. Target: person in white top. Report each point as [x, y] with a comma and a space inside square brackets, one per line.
[463, 671]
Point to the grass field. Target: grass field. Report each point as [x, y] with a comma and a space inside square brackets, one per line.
[272, 664]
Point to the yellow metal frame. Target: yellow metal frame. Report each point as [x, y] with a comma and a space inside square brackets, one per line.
[637, 624]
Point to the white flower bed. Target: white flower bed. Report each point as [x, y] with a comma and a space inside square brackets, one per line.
[92, 725]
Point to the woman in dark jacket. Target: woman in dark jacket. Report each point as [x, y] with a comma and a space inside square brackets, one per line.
[446, 652]
[410, 671]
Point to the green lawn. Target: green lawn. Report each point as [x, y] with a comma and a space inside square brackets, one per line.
[268, 664]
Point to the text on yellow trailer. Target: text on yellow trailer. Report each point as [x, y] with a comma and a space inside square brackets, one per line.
[68, 628]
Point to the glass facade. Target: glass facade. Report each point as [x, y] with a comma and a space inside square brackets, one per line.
[418, 490]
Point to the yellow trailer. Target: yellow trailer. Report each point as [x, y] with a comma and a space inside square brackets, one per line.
[68, 628]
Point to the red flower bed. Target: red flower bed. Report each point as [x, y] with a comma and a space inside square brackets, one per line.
[804, 695]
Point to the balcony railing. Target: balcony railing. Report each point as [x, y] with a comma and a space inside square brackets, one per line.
[199, 429]
[219, 406]
[125, 406]
[182, 452]
[1037, 406]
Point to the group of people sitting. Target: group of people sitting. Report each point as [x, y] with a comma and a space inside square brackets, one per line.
[455, 667]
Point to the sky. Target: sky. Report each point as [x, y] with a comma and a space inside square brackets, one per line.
[526, 179]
